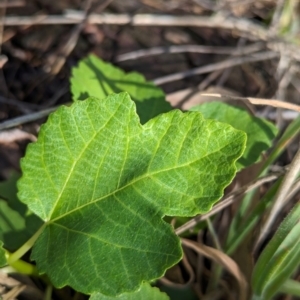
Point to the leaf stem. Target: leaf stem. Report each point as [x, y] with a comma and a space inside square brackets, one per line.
[25, 247]
[48, 293]
[24, 267]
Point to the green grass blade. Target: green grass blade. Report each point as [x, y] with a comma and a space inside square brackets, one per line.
[288, 136]
[245, 228]
[280, 258]
[291, 287]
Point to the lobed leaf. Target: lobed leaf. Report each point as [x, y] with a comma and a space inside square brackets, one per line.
[2, 256]
[95, 78]
[146, 292]
[279, 259]
[260, 132]
[102, 183]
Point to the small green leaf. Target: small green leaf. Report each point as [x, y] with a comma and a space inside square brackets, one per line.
[146, 292]
[2, 256]
[17, 223]
[102, 182]
[260, 133]
[95, 78]
[279, 259]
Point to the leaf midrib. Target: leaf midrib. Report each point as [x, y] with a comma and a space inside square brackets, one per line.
[144, 176]
[108, 242]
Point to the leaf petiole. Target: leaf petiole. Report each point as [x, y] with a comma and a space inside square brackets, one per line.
[22, 267]
[25, 247]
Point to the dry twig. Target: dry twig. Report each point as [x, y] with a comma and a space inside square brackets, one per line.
[191, 48]
[23, 106]
[2, 21]
[27, 118]
[259, 101]
[58, 59]
[188, 269]
[13, 135]
[3, 60]
[243, 27]
[224, 260]
[13, 3]
[227, 63]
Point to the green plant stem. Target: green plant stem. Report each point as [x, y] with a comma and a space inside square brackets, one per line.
[291, 287]
[19, 266]
[213, 234]
[25, 247]
[48, 293]
[24, 267]
[288, 136]
[217, 270]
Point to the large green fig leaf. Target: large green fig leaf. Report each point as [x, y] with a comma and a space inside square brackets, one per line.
[146, 292]
[260, 132]
[95, 78]
[102, 183]
[2, 256]
[17, 223]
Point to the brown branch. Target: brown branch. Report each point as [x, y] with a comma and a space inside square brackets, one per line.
[191, 48]
[75, 17]
[27, 118]
[227, 63]
[224, 260]
[243, 27]
[13, 3]
[260, 101]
